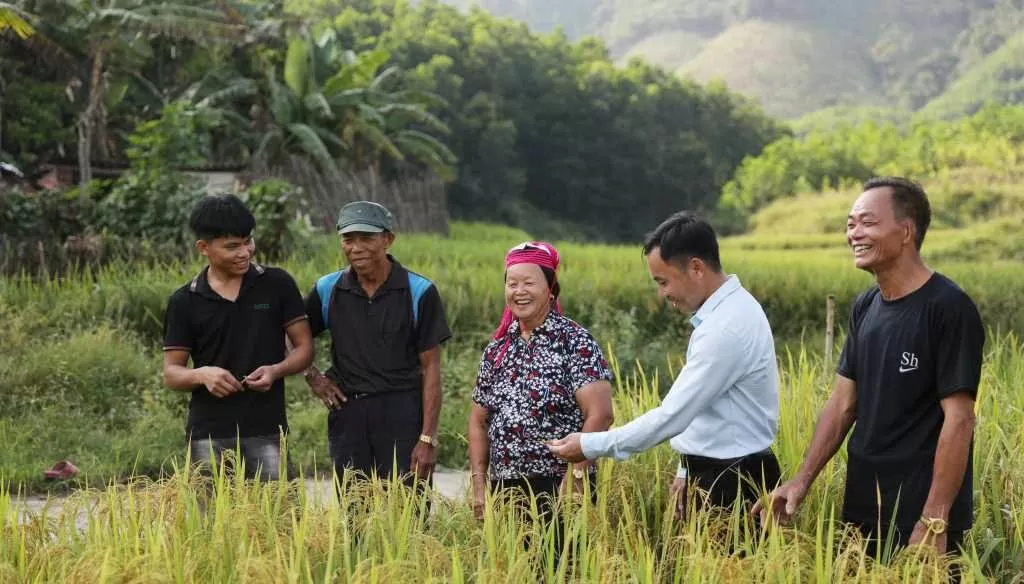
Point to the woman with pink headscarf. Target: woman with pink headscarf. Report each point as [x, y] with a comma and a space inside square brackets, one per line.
[541, 377]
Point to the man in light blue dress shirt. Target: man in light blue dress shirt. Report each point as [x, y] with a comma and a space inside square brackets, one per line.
[722, 411]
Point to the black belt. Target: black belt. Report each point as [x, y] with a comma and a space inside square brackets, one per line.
[703, 462]
[366, 394]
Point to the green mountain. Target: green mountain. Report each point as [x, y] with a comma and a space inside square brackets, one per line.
[945, 57]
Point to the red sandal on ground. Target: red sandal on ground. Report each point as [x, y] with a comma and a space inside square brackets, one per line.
[61, 470]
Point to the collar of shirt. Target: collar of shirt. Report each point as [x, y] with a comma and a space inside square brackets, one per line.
[732, 284]
[201, 283]
[541, 332]
[396, 279]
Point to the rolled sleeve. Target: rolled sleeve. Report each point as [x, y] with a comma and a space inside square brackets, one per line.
[709, 371]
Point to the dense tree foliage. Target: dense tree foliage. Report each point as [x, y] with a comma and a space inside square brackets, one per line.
[798, 56]
[529, 129]
[992, 139]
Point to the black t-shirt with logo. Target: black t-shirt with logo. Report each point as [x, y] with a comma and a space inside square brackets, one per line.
[239, 336]
[905, 356]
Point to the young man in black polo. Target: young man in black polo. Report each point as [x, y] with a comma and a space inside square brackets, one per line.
[387, 324]
[231, 319]
[908, 376]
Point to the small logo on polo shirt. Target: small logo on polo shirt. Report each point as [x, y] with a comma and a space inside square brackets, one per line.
[908, 363]
[261, 306]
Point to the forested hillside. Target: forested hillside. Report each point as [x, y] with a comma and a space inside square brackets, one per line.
[529, 130]
[799, 56]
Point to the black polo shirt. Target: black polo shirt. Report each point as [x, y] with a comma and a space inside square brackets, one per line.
[375, 347]
[239, 336]
[905, 356]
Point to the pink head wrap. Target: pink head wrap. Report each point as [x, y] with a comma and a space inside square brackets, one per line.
[540, 253]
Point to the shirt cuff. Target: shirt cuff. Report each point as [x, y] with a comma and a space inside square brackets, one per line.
[681, 471]
[594, 444]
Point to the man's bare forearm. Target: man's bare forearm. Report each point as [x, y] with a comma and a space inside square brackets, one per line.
[479, 443]
[297, 361]
[309, 368]
[181, 378]
[951, 457]
[833, 425]
[431, 403]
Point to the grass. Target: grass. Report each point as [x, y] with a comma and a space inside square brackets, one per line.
[80, 359]
[80, 355]
[184, 528]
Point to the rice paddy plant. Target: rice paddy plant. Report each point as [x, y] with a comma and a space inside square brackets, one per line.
[218, 527]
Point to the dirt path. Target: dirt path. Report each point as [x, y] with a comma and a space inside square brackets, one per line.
[450, 484]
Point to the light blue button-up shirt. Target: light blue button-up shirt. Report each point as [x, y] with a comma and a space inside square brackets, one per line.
[725, 401]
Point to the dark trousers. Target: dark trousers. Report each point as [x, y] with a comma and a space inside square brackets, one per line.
[375, 434]
[545, 491]
[723, 480]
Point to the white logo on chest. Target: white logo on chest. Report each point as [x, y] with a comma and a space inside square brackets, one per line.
[908, 363]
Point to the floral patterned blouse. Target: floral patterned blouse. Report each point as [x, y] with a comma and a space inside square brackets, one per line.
[530, 394]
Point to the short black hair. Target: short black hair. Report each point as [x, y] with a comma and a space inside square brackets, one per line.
[909, 200]
[217, 216]
[682, 236]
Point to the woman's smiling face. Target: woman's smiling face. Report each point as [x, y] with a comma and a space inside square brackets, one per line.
[527, 293]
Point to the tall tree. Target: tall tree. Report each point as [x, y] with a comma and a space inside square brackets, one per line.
[110, 38]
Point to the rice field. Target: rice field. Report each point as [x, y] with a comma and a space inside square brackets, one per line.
[185, 528]
[79, 360]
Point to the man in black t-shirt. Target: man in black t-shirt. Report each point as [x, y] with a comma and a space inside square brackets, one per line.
[386, 325]
[907, 377]
[231, 319]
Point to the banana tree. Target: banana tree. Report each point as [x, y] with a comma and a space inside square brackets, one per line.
[12, 19]
[109, 38]
[373, 121]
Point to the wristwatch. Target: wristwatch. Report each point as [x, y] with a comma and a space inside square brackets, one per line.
[428, 440]
[578, 473]
[935, 525]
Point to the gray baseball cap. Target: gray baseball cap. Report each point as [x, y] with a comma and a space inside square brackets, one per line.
[366, 217]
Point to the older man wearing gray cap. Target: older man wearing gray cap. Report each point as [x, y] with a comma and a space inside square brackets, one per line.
[387, 323]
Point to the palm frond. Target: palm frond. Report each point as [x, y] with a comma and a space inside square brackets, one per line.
[385, 76]
[296, 65]
[312, 145]
[378, 139]
[416, 114]
[426, 98]
[317, 103]
[173, 21]
[332, 139]
[347, 98]
[435, 159]
[427, 141]
[281, 101]
[368, 112]
[264, 150]
[12, 17]
[343, 80]
[235, 89]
